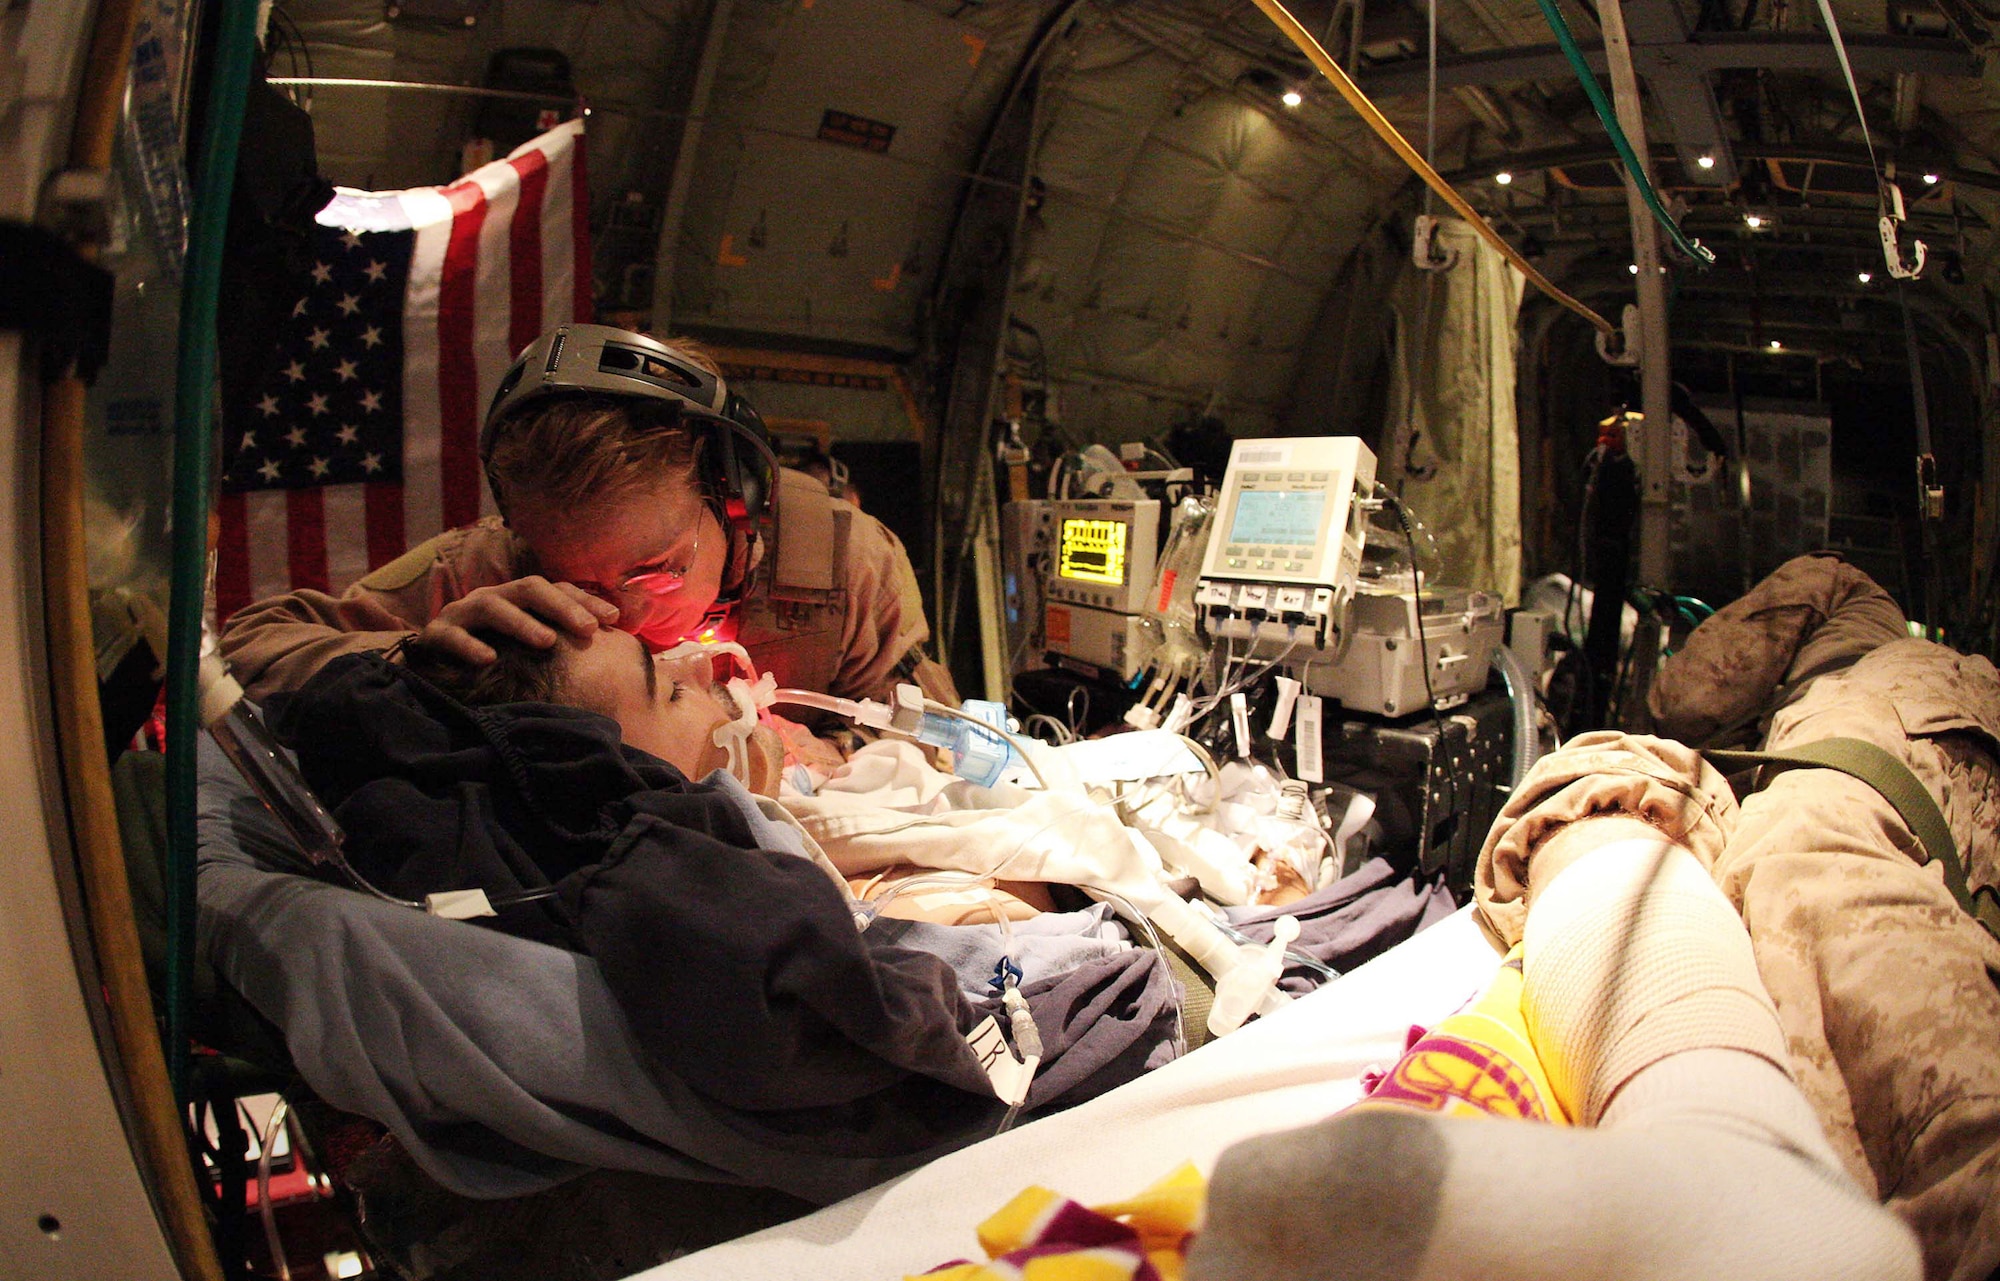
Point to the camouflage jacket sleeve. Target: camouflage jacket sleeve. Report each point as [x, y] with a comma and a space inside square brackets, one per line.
[277, 644]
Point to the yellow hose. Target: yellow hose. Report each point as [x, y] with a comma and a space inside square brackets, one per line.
[1371, 114]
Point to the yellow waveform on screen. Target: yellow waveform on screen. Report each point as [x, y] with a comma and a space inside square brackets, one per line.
[1092, 551]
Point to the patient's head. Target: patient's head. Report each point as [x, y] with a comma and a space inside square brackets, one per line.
[670, 708]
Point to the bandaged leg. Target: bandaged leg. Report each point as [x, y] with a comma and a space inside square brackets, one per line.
[1644, 1005]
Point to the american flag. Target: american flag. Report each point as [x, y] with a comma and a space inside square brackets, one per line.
[365, 442]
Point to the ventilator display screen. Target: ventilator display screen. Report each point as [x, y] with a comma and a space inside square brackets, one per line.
[1092, 551]
[1284, 518]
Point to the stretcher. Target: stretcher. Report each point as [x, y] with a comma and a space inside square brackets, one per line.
[1296, 1066]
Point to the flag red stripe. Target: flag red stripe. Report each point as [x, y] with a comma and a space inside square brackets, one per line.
[232, 557]
[305, 539]
[579, 214]
[458, 371]
[382, 503]
[524, 248]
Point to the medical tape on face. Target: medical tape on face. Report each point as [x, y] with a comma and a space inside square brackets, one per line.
[749, 699]
[733, 736]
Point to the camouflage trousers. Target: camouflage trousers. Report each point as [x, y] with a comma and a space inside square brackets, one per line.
[1886, 990]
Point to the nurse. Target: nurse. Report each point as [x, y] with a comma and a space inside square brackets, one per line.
[637, 492]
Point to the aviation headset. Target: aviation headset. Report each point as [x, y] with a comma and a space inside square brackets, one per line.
[736, 461]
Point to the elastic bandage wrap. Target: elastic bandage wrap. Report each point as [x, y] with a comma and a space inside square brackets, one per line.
[1632, 955]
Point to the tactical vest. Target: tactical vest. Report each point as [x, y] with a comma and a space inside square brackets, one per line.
[793, 622]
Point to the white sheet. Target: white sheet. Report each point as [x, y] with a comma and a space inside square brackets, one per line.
[1291, 1069]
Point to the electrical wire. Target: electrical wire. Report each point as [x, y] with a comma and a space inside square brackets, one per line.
[272, 1240]
[1619, 142]
[1387, 132]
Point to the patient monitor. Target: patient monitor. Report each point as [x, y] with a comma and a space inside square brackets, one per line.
[1098, 580]
[1286, 555]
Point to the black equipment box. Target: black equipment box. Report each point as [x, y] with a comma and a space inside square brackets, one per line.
[1436, 793]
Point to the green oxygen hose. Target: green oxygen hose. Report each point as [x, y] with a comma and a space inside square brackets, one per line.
[1552, 11]
[194, 394]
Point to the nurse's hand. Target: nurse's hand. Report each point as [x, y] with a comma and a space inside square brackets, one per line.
[529, 610]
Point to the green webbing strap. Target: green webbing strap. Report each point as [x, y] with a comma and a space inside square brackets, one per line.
[1910, 799]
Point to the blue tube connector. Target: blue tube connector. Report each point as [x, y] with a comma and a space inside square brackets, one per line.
[978, 754]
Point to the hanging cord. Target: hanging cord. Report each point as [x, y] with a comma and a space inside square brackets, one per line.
[1619, 142]
[1395, 500]
[1431, 100]
[1388, 133]
[1889, 197]
[194, 390]
[1930, 486]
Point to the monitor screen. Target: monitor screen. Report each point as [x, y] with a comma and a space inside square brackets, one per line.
[1287, 518]
[1092, 551]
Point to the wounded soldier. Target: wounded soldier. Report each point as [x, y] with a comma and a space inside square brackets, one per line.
[672, 981]
[1883, 983]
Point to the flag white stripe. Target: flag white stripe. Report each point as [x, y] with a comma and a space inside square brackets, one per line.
[423, 474]
[493, 288]
[346, 535]
[264, 524]
[558, 237]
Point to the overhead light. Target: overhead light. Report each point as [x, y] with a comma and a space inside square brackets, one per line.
[1706, 162]
[1503, 177]
[1930, 180]
[1776, 345]
[1632, 267]
[1753, 221]
[1867, 276]
[1292, 98]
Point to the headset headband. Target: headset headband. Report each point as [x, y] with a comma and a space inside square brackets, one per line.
[601, 360]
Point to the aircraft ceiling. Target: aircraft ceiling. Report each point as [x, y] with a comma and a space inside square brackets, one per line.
[1184, 231]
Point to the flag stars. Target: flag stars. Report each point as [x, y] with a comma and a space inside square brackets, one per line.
[268, 406]
[317, 404]
[296, 371]
[322, 273]
[347, 433]
[318, 338]
[269, 471]
[349, 304]
[371, 336]
[375, 271]
[371, 463]
[344, 371]
[317, 467]
[299, 307]
[249, 440]
[351, 238]
[296, 437]
[371, 402]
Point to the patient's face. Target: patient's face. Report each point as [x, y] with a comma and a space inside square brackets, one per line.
[670, 709]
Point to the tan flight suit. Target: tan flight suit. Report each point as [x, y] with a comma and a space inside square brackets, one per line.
[839, 610]
[1884, 986]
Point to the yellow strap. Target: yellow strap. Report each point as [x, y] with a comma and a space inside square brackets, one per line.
[1368, 112]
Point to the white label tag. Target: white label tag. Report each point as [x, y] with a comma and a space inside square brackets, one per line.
[1310, 765]
[1239, 715]
[459, 905]
[1010, 1076]
[1281, 715]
